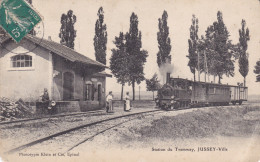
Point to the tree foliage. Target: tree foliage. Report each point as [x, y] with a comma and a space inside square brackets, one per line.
[119, 61]
[257, 71]
[211, 54]
[136, 56]
[193, 45]
[100, 39]
[202, 55]
[164, 42]
[243, 56]
[67, 31]
[220, 50]
[153, 84]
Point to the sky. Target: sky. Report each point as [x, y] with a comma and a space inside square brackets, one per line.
[117, 18]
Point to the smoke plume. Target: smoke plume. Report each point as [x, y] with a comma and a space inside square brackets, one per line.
[164, 69]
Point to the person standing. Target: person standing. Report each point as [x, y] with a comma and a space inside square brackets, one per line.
[109, 102]
[45, 100]
[127, 106]
[45, 96]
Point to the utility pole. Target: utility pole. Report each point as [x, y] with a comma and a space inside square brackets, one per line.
[205, 66]
[139, 93]
[198, 66]
[239, 92]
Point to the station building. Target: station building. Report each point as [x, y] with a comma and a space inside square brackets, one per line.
[72, 79]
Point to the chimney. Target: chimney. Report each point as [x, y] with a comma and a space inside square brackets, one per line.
[168, 78]
[49, 38]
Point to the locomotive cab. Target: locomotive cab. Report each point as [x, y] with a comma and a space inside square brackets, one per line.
[166, 98]
[176, 93]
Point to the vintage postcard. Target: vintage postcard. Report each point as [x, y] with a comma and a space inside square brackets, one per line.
[130, 80]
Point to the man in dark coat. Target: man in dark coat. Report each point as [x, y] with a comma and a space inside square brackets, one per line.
[45, 100]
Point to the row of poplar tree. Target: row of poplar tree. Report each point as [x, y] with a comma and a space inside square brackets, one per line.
[216, 51]
[128, 58]
[214, 54]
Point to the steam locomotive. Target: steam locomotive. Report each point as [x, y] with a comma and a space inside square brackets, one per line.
[183, 93]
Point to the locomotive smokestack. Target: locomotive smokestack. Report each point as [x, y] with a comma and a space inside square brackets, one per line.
[168, 77]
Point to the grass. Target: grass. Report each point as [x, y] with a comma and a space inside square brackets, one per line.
[202, 123]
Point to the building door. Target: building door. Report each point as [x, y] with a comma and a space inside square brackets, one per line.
[88, 89]
[99, 92]
[68, 87]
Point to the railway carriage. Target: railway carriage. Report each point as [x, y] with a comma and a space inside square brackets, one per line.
[210, 94]
[184, 93]
[238, 94]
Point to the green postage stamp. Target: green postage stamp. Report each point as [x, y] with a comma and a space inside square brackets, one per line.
[18, 18]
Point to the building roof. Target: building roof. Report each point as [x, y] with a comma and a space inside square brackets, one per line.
[209, 83]
[103, 73]
[60, 50]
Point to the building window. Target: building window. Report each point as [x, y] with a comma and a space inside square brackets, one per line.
[21, 61]
[93, 92]
[88, 91]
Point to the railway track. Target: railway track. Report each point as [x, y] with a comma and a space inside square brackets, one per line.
[49, 117]
[106, 128]
[83, 126]
[74, 114]
[78, 128]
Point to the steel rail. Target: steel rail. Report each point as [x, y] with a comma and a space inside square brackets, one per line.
[48, 117]
[102, 131]
[70, 130]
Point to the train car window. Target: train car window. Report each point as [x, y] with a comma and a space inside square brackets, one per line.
[197, 92]
[211, 90]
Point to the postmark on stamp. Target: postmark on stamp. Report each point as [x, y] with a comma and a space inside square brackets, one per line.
[18, 18]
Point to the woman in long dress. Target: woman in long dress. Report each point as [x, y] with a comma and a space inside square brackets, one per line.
[127, 102]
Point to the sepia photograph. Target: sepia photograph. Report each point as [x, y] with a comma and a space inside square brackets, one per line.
[130, 80]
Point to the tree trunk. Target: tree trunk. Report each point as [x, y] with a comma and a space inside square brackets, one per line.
[219, 79]
[153, 95]
[122, 92]
[244, 81]
[133, 86]
[194, 77]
